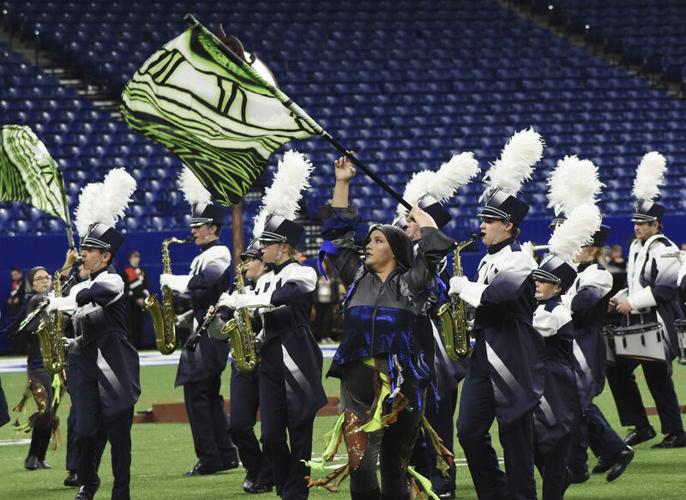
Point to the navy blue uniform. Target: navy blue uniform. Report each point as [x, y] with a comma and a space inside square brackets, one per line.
[653, 294]
[106, 385]
[200, 371]
[559, 408]
[289, 373]
[505, 378]
[40, 382]
[587, 300]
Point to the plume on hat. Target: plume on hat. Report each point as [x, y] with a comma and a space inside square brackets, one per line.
[516, 163]
[443, 183]
[193, 191]
[104, 201]
[650, 175]
[577, 230]
[291, 177]
[416, 187]
[574, 182]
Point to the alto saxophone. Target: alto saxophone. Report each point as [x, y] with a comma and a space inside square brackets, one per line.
[240, 332]
[163, 316]
[454, 331]
[50, 333]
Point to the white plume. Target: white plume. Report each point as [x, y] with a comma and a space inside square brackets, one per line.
[575, 231]
[416, 187]
[650, 175]
[104, 201]
[574, 182]
[193, 190]
[516, 163]
[443, 184]
[291, 177]
[457, 172]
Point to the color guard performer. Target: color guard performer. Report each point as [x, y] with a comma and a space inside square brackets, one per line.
[200, 370]
[107, 385]
[652, 296]
[379, 361]
[505, 378]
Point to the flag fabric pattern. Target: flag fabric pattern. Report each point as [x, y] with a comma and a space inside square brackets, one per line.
[28, 173]
[212, 111]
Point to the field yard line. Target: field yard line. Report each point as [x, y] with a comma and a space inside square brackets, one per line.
[147, 358]
[12, 442]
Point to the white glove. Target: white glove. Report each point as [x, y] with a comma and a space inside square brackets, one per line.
[63, 304]
[177, 283]
[71, 345]
[253, 301]
[227, 300]
[457, 284]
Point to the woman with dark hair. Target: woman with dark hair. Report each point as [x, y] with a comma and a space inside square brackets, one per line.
[382, 370]
[39, 379]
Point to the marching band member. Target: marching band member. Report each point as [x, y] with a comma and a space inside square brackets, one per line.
[505, 377]
[379, 361]
[560, 408]
[245, 395]
[73, 447]
[290, 368]
[200, 370]
[573, 183]
[40, 381]
[652, 295]
[430, 190]
[587, 300]
[107, 386]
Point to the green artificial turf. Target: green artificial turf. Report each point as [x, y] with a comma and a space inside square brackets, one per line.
[163, 452]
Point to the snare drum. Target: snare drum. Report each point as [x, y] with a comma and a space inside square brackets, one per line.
[609, 344]
[641, 341]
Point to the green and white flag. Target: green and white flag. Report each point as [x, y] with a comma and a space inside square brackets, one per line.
[213, 111]
[29, 174]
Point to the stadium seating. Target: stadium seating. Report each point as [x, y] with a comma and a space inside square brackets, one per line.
[650, 33]
[404, 83]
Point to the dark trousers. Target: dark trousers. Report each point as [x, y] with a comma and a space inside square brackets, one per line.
[136, 321]
[72, 441]
[628, 397]
[94, 430]
[207, 416]
[553, 468]
[245, 402]
[72, 438]
[285, 455]
[595, 432]
[323, 324]
[477, 412]
[42, 426]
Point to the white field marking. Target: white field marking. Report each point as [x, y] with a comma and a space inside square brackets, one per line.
[147, 358]
[12, 442]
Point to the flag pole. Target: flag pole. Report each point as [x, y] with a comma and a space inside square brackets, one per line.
[298, 111]
[237, 230]
[67, 218]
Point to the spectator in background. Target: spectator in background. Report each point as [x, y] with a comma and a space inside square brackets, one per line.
[136, 290]
[326, 298]
[17, 291]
